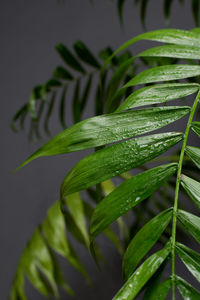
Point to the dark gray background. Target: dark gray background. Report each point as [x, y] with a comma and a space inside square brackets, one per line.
[29, 31]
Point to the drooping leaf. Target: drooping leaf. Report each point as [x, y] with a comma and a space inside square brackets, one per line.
[192, 187]
[138, 279]
[76, 105]
[158, 94]
[105, 129]
[191, 223]
[186, 290]
[195, 11]
[196, 127]
[161, 291]
[62, 73]
[116, 159]
[86, 92]
[120, 5]
[69, 58]
[194, 154]
[167, 9]
[190, 258]
[62, 108]
[49, 113]
[146, 237]
[85, 54]
[174, 51]
[164, 73]
[143, 10]
[17, 116]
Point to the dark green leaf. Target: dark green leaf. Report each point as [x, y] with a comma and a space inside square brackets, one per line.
[195, 10]
[105, 129]
[167, 9]
[138, 279]
[17, 116]
[161, 291]
[116, 159]
[62, 107]
[85, 54]
[192, 187]
[62, 73]
[68, 58]
[150, 232]
[49, 113]
[190, 258]
[86, 92]
[194, 154]
[191, 223]
[76, 106]
[120, 5]
[143, 11]
[158, 94]
[186, 290]
[196, 127]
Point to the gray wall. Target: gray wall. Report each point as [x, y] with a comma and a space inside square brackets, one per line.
[29, 31]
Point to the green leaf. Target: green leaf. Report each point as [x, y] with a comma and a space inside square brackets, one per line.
[49, 113]
[194, 154]
[164, 73]
[191, 223]
[76, 105]
[149, 233]
[85, 54]
[126, 196]
[120, 5]
[186, 290]
[158, 94]
[116, 159]
[69, 59]
[138, 279]
[167, 9]
[196, 127]
[62, 107]
[192, 187]
[190, 258]
[161, 291]
[105, 129]
[174, 51]
[195, 11]
[62, 73]
[16, 117]
[143, 11]
[86, 92]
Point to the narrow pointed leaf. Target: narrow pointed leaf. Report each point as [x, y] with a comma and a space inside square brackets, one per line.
[120, 5]
[110, 128]
[138, 279]
[161, 291]
[158, 94]
[195, 11]
[62, 73]
[49, 113]
[143, 10]
[174, 51]
[196, 127]
[62, 108]
[186, 290]
[85, 54]
[194, 154]
[146, 237]
[192, 187]
[17, 116]
[164, 73]
[190, 258]
[86, 92]
[191, 223]
[116, 159]
[167, 9]
[123, 198]
[69, 59]
[76, 105]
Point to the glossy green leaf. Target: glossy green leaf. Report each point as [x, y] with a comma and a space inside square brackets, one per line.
[150, 232]
[164, 73]
[105, 129]
[194, 154]
[69, 59]
[62, 108]
[196, 127]
[116, 159]
[123, 198]
[85, 54]
[186, 290]
[191, 223]
[138, 279]
[190, 258]
[192, 187]
[161, 291]
[158, 94]
[174, 51]
[62, 73]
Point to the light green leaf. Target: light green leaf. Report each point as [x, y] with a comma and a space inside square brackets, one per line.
[196, 127]
[191, 223]
[186, 290]
[158, 94]
[194, 154]
[116, 159]
[85, 54]
[192, 187]
[190, 258]
[126, 196]
[148, 234]
[138, 279]
[164, 73]
[105, 129]
[174, 51]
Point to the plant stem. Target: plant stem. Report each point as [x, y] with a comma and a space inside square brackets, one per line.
[177, 190]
